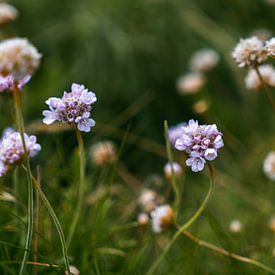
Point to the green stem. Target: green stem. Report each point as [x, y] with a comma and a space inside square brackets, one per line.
[188, 223]
[81, 187]
[20, 124]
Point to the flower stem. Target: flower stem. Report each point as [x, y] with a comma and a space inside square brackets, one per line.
[81, 187]
[188, 223]
[20, 125]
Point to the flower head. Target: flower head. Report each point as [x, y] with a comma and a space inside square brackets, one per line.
[74, 108]
[162, 217]
[201, 106]
[201, 142]
[18, 58]
[8, 13]
[171, 168]
[148, 200]
[143, 219]
[190, 83]
[175, 132]
[12, 150]
[270, 47]
[8, 83]
[249, 52]
[235, 226]
[103, 152]
[269, 165]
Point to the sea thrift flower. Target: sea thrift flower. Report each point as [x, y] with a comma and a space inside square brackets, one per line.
[18, 58]
[176, 167]
[73, 270]
[200, 106]
[252, 81]
[235, 226]
[190, 83]
[270, 47]
[162, 217]
[8, 13]
[103, 152]
[201, 142]
[12, 150]
[74, 108]
[269, 166]
[148, 200]
[204, 60]
[175, 132]
[8, 83]
[143, 219]
[249, 52]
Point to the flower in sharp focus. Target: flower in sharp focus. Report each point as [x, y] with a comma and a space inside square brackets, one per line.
[8, 13]
[162, 217]
[190, 83]
[252, 81]
[249, 52]
[200, 142]
[269, 166]
[18, 58]
[74, 108]
[103, 152]
[12, 150]
[270, 47]
[235, 226]
[204, 60]
[169, 168]
[175, 132]
[148, 200]
[73, 270]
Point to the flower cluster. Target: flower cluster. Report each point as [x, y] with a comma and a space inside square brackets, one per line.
[201, 142]
[162, 217]
[74, 108]
[270, 47]
[8, 83]
[172, 168]
[174, 132]
[12, 150]
[103, 153]
[8, 13]
[190, 83]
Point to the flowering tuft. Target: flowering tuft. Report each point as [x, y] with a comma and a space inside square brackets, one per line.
[269, 165]
[8, 13]
[162, 217]
[103, 152]
[201, 142]
[74, 108]
[169, 168]
[190, 83]
[249, 52]
[270, 47]
[12, 150]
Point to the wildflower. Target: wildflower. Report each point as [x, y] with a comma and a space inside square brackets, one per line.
[162, 217]
[73, 270]
[204, 60]
[103, 152]
[8, 83]
[272, 224]
[252, 81]
[235, 226]
[169, 168]
[74, 108]
[201, 142]
[8, 13]
[12, 150]
[249, 52]
[147, 200]
[190, 83]
[269, 166]
[18, 58]
[270, 47]
[201, 106]
[175, 132]
[143, 219]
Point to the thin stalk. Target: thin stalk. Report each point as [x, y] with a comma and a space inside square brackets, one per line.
[224, 252]
[81, 186]
[20, 124]
[188, 223]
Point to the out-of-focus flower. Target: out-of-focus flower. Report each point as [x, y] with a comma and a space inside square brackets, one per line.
[8, 13]
[272, 224]
[200, 106]
[190, 83]
[103, 152]
[201, 142]
[204, 60]
[143, 219]
[270, 47]
[162, 217]
[8, 83]
[235, 226]
[74, 108]
[269, 165]
[12, 150]
[148, 200]
[262, 34]
[170, 167]
[267, 72]
[73, 270]
[175, 132]
[249, 52]
[18, 58]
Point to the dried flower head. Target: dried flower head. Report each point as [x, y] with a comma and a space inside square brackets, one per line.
[200, 106]
[175, 132]
[162, 217]
[190, 83]
[18, 58]
[143, 219]
[12, 150]
[73, 270]
[148, 200]
[270, 47]
[269, 165]
[201, 142]
[74, 108]
[204, 60]
[235, 226]
[169, 168]
[249, 52]
[8, 13]
[253, 82]
[103, 152]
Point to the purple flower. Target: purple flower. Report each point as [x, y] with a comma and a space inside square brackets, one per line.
[8, 82]
[175, 132]
[201, 142]
[12, 150]
[73, 107]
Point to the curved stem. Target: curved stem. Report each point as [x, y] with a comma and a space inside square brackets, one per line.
[81, 187]
[20, 125]
[188, 223]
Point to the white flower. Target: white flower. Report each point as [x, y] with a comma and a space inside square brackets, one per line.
[269, 165]
[18, 58]
[73, 270]
[103, 152]
[190, 83]
[147, 200]
[143, 219]
[7, 13]
[162, 217]
[235, 226]
[204, 60]
[169, 168]
[270, 47]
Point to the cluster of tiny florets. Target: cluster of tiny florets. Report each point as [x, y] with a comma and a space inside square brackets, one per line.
[270, 47]
[201, 142]
[74, 108]
[162, 217]
[8, 13]
[174, 132]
